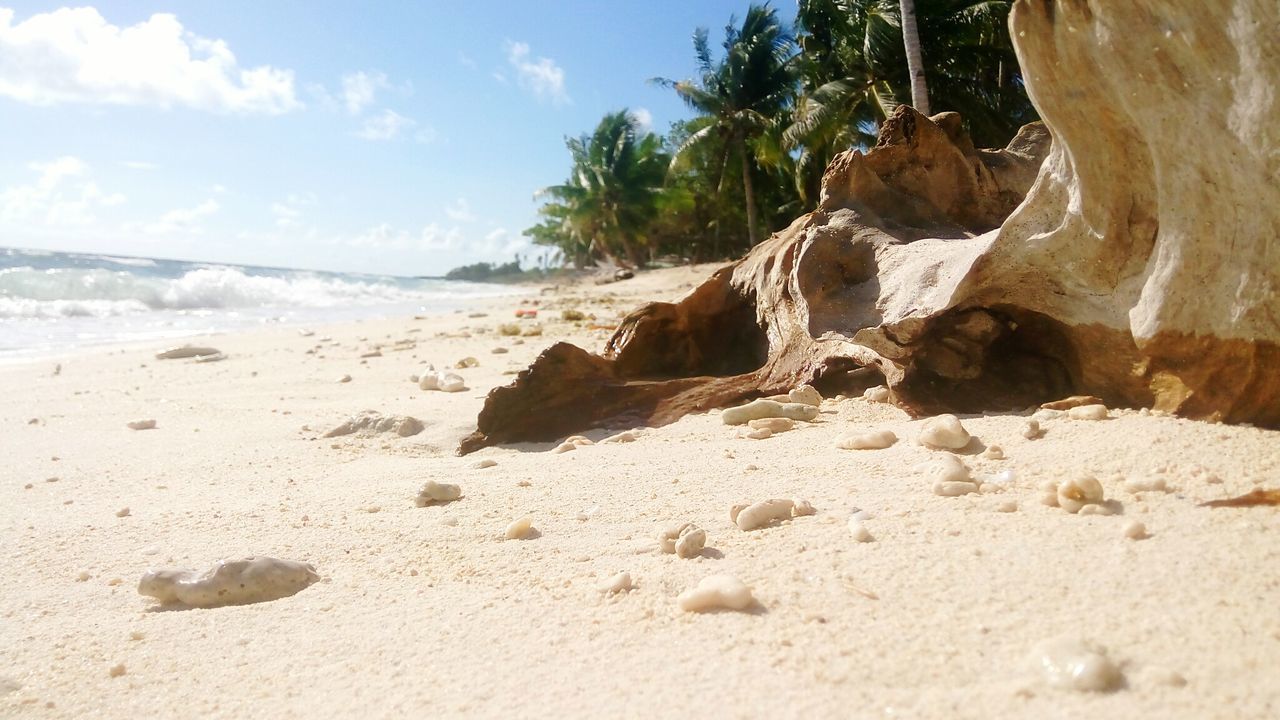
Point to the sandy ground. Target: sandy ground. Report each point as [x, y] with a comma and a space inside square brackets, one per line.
[428, 611]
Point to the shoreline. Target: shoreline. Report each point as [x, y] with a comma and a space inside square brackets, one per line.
[430, 609]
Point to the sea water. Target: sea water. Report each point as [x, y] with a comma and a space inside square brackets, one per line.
[54, 301]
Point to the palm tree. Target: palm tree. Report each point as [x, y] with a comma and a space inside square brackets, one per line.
[915, 61]
[613, 195]
[854, 72]
[739, 96]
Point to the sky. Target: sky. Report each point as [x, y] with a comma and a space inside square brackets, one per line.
[401, 138]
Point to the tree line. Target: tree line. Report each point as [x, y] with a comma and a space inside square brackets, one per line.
[772, 106]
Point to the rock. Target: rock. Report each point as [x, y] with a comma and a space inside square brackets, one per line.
[485, 463]
[1007, 506]
[564, 447]
[186, 351]
[993, 452]
[1074, 401]
[947, 468]
[690, 543]
[1077, 493]
[670, 534]
[1135, 530]
[532, 331]
[1073, 664]
[767, 512]
[571, 315]
[344, 379]
[622, 437]
[859, 530]
[877, 394]
[805, 395]
[215, 357]
[954, 488]
[306, 333]
[509, 329]
[372, 423]
[519, 529]
[1088, 412]
[758, 409]
[772, 424]
[372, 354]
[441, 380]
[1031, 430]
[750, 434]
[229, 582]
[943, 432]
[715, 592]
[619, 583]
[142, 425]
[116, 670]
[466, 362]
[435, 493]
[122, 512]
[873, 440]
[499, 350]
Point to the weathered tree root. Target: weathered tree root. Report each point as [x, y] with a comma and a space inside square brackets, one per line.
[1143, 266]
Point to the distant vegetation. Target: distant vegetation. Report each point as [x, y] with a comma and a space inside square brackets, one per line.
[483, 271]
[773, 106]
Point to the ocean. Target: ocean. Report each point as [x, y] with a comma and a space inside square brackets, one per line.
[51, 302]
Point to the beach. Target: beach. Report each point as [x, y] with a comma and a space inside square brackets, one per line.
[940, 609]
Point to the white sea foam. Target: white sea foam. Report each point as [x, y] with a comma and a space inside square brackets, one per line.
[26, 292]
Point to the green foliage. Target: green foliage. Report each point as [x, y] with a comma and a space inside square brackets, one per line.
[613, 194]
[772, 108]
[482, 271]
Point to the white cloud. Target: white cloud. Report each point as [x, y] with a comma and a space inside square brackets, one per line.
[543, 77]
[360, 89]
[460, 211]
[182, 220]
[76, 56]
[62, 194]
[385, 126]
[289, 213]
[644, 118]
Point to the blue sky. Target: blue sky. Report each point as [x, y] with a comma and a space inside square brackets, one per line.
[403, 138]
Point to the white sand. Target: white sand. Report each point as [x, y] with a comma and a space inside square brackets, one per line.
[428, 611]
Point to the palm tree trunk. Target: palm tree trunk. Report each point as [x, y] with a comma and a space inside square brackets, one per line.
[915, 60]
[751, 197]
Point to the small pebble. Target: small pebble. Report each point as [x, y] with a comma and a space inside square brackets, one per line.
[344, 379]
[993, 452]
[617, 584]
[519, 529]
[1079, 492]
[943, 432]
[435, 493]
[1032, 430]
[806, 394]
[1007, 506]
[116, 670]
[714, 592]
[1135, 530]
[954, 488]
[877, 394]
[773, 424]
[750, 434]
[485, 463]
[859, 530]
[874, 440]
[122, 512]
[622, 437]
[142, 425]
[1077, 665]
[1088, 412]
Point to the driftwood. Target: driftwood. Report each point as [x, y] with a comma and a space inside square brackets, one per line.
[1142, 267]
